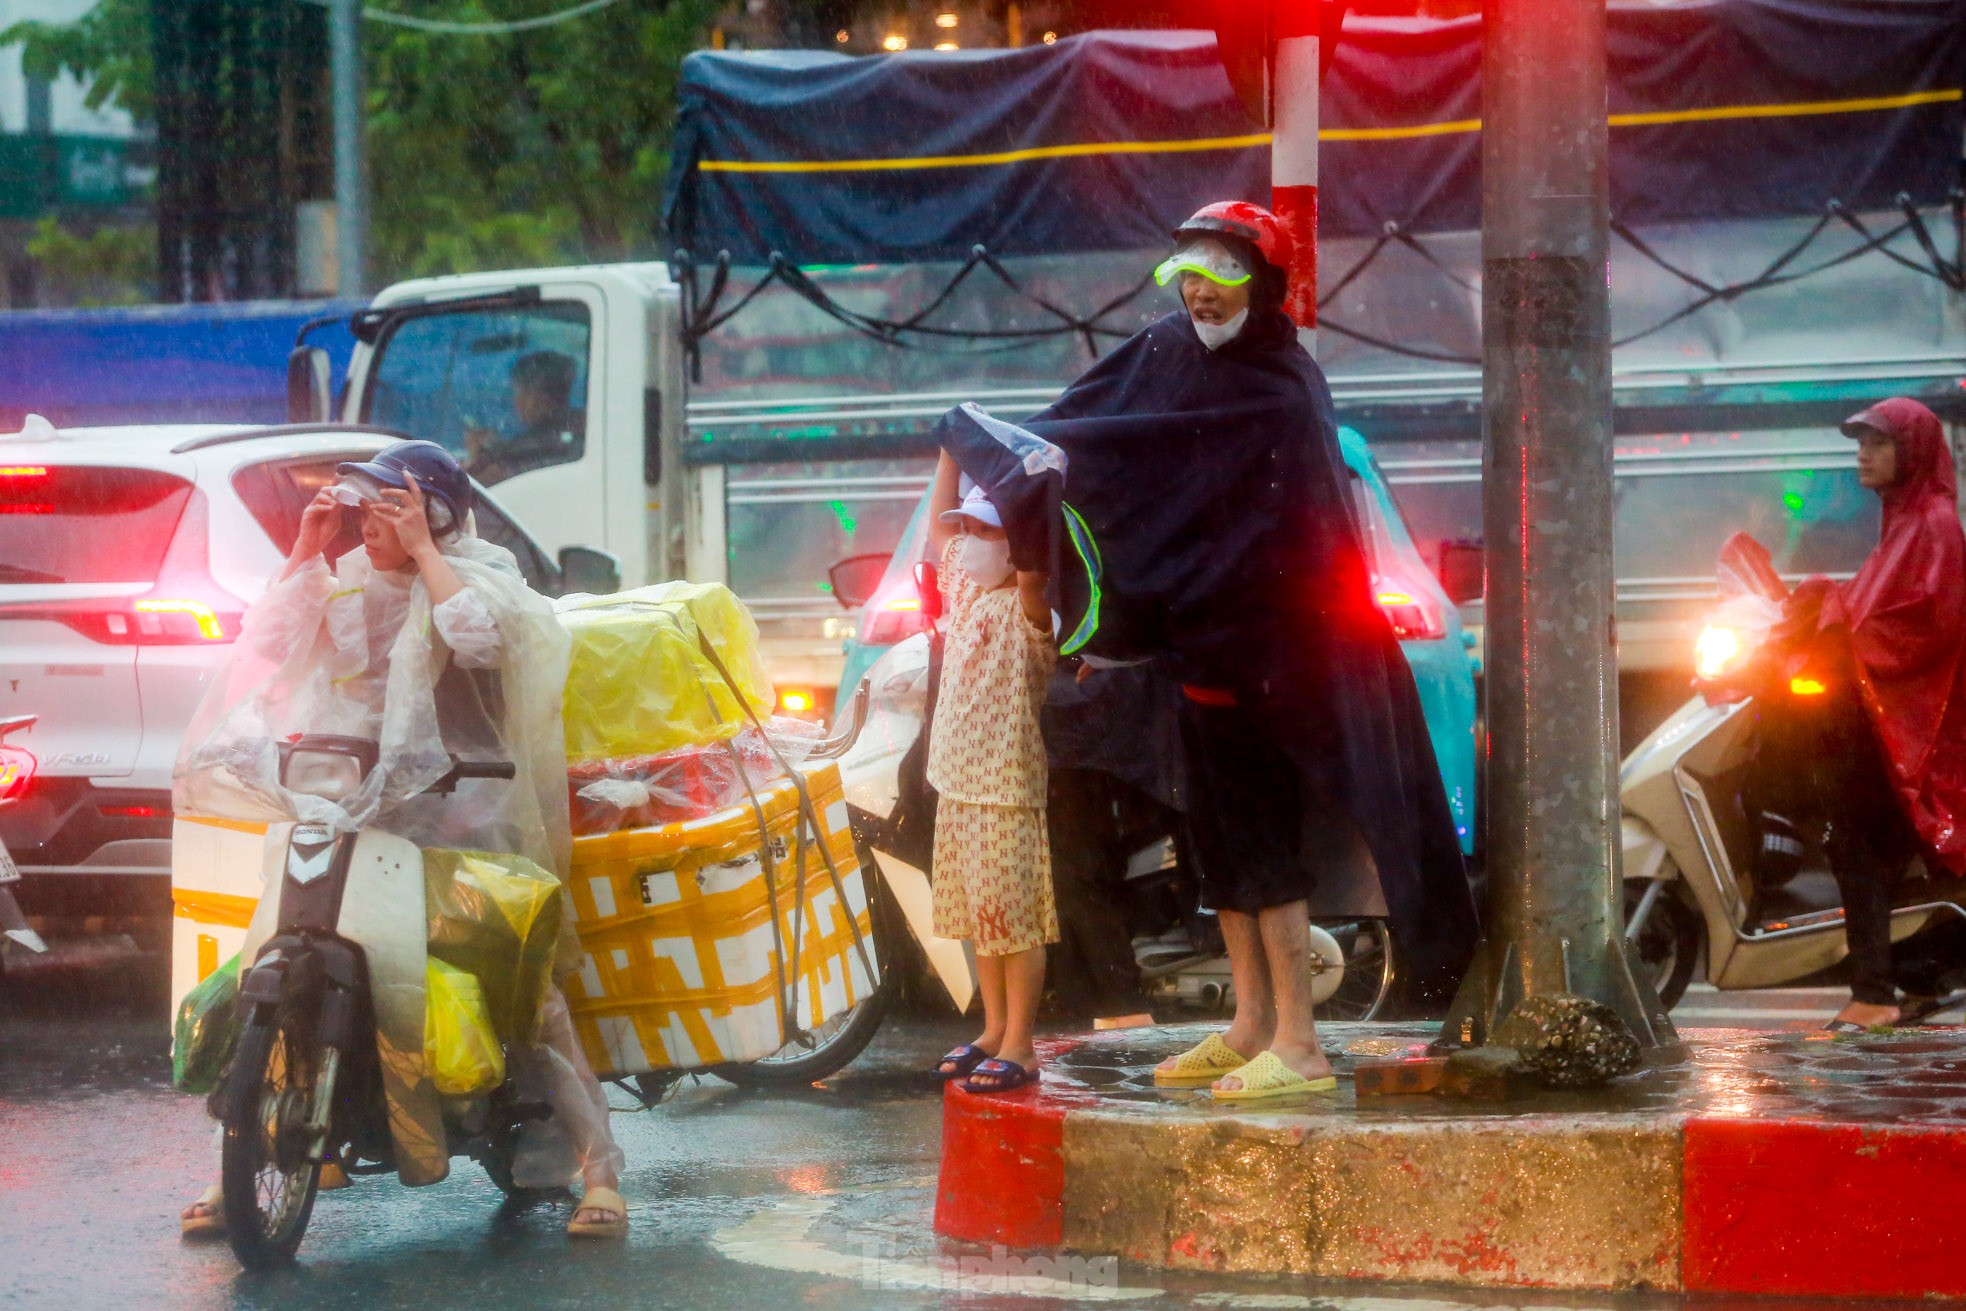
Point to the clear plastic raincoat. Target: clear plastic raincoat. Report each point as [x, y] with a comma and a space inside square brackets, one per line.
[357, 651]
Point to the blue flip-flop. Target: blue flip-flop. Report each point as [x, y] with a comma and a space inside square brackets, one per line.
[1008, 1075]
[965, 1058]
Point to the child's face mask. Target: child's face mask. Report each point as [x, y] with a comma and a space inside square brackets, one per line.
[985, 561]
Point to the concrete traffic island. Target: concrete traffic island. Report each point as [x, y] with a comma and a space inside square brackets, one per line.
[1792, 1163]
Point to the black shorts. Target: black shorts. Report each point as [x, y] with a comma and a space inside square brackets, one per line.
[1251, 814]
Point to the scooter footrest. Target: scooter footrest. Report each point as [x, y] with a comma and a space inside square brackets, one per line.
[1814, 919]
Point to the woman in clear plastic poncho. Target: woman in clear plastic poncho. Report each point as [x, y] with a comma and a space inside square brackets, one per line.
[428, 642]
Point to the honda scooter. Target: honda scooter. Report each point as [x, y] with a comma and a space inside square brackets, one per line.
[306, 1081]
[1696, 882]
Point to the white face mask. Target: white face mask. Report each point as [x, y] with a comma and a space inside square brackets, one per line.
[1217, 335]
[987, 562]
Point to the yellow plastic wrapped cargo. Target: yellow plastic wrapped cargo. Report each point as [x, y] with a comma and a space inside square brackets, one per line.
[460, 1046]
[681, 967]
[496, 917]
[639, 683]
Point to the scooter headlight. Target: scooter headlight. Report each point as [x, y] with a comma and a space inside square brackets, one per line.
[329, 775]
[1718, 650]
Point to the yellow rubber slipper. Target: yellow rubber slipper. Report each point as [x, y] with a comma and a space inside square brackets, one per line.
[1201, 1065]
[608, 1202]
[1268, 1077]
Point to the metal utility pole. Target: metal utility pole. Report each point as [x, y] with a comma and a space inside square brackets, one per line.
[1555, 918]
[351, 190]
[1294, 152]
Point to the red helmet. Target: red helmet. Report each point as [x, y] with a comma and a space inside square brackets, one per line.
[1239, 218]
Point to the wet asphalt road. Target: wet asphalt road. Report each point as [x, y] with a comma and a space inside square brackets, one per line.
[817, 1198]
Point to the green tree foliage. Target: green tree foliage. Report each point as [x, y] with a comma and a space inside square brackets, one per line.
[543, 145]
[110, 266]
[108, 47]
[537, 147]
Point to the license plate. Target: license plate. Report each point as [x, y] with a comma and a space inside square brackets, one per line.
[9, 872]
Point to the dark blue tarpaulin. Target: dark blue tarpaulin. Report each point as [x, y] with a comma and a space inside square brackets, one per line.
[218, 363]
[1724, 109]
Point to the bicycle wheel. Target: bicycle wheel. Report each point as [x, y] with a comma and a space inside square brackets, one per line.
[1369, 969]
[269, 1165]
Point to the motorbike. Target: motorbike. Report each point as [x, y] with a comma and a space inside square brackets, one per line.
[1711, 877]
[306, 1083]
[1177, 943]
[16, 770]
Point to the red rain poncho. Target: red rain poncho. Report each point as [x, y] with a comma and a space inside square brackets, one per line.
[1902, 621]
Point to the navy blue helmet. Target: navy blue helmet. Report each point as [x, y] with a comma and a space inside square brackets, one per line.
[447, 492]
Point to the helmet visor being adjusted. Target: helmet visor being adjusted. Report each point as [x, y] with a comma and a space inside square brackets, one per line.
[1207, 257]
[354, 488]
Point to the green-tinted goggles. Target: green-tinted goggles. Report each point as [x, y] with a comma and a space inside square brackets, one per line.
[1211, 262]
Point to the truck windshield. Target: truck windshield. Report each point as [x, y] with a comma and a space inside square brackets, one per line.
[506, 389]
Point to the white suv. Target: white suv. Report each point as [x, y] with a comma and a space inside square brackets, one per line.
[127, 557]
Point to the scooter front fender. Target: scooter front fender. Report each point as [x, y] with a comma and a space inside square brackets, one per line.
[1646, 856]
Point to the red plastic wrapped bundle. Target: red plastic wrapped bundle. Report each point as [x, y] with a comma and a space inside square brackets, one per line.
[667, 788]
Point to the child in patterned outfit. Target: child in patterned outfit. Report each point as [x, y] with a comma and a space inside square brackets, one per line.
[986, 760]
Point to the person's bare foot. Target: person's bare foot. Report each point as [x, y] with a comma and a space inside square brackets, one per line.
[1869, 1016]
[1310, 1062]
[985, 1044]
[595, 1215]
[989, 1080]
[204, 1218]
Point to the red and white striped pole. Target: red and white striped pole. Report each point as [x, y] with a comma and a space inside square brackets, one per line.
[1293, 154]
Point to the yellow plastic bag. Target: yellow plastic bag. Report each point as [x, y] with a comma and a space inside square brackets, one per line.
[498, 918]
[639, 683]
[459, 1045]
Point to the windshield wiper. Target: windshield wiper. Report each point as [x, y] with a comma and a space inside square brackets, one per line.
[13, 573]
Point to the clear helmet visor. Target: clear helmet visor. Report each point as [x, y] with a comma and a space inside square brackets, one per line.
[354, 489]
[1207, 257]
[358, 491]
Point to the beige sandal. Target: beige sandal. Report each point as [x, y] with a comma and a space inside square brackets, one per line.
[198, 1228]
[1202, 1064]
[599, 1199]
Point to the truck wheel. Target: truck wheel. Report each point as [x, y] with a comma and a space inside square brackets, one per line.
[1668, 945]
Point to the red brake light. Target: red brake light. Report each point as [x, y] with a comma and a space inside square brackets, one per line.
[170, 618]
[17, 766]
[890, 617]
[1414, 615]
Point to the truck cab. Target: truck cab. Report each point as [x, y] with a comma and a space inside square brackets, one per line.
[561, 387]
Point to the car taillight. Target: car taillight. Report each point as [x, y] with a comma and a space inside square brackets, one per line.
[891, 618]
[1806, 687]
[171, 616]
[17, 766]
[1414, 615]
[24, 489]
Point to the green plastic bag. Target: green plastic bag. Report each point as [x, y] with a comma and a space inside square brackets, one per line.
[496, 917]
[206, 1031]
[460, 1046]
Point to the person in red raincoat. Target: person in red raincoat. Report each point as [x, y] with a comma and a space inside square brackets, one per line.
[1889, 737]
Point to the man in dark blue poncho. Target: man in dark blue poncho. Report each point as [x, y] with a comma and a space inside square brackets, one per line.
[1201, 517]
